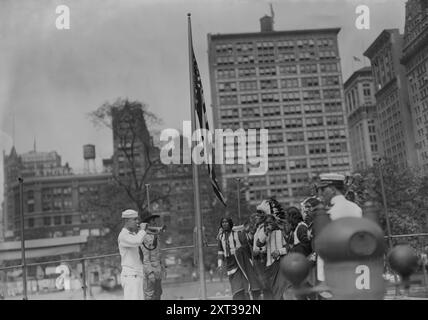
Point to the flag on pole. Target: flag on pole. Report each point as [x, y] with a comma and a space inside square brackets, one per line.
[201, 113]
[357, 59]
[198, 213]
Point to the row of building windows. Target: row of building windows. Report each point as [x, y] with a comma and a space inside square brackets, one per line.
[294, 164]
[250, 46]
[391, 129]
[54, 205]
[300, 150]
[307, 68]
[53, 191]
[291, 96]
[288, 123]
[49, 221]
[59, 192]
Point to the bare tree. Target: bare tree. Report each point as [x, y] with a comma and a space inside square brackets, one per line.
[136, 160]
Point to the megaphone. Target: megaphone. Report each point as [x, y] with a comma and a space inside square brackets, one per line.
[157, 229]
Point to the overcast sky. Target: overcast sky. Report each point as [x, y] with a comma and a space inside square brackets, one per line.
[50, 79]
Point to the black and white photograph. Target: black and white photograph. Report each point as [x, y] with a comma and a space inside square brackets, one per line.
[233, 151]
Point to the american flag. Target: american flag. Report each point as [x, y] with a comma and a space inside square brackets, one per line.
[201, 113]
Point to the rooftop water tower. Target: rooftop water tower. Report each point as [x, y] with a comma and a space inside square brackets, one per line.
[89, 158]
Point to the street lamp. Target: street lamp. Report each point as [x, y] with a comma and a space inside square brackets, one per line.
[238, 180]
[388, 226]
[21, 212]
[148, 197]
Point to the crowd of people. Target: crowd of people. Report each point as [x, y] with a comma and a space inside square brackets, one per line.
[250, 254]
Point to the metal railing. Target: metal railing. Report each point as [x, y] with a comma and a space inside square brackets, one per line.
[83, 261]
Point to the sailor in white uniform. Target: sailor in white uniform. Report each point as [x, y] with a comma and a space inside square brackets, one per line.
[129, 241]
[331, 190]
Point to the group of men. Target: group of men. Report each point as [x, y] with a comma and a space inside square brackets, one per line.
[142, 266]
[251, 253]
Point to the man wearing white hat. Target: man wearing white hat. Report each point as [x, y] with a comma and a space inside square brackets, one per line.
[130, 240]
[331, 190]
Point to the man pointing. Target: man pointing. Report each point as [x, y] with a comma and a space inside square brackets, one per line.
[129, 241]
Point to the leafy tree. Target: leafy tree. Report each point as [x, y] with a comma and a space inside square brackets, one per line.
[406, 195]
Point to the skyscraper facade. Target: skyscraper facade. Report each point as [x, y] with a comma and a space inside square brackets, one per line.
[397, 140]
[132, 144]
[415, 60]
[290, 83]
[361, 112]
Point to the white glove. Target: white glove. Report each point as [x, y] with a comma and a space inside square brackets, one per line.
[219, 263]
[143, 226]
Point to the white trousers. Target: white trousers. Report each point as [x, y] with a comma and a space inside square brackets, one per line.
[132, 287]
[320, 269]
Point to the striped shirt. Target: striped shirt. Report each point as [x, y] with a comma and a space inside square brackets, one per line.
[228, 243]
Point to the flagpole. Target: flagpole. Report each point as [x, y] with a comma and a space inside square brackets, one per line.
[362, 52]
[198, 216]
[148, 199]
[238, 186]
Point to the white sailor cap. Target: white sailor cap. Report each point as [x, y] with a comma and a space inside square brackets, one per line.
[127, 214]
[327, 179]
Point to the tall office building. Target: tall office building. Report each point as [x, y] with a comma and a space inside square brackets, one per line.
[396, 135]
[132, 144]
[52, 195]
[290, 83]
[361, 112]
[415, 60]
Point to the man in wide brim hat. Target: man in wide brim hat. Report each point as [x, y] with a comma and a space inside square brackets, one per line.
[150, 218]
[152, 262]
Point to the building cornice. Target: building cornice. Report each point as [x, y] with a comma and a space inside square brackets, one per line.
[366, 71]
[264, 35]
[384, 36]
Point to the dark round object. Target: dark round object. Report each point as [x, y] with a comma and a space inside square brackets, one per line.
[363, 244]
[403, 260]
[350, 239]
[295, 267]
